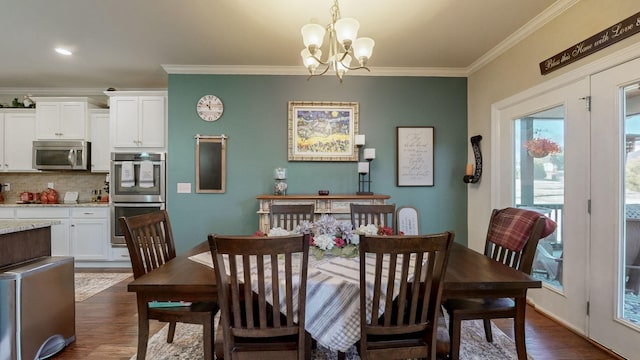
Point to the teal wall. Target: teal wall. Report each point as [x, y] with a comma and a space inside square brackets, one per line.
[255, 120]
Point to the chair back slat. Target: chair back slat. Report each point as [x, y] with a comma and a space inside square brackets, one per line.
[379, 215]
[289, 216]
[264, 294]
[404, 276]
[149, 240]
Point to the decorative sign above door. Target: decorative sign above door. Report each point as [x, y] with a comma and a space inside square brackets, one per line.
[597, 42]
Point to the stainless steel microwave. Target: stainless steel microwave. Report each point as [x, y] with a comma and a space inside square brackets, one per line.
[61, 155]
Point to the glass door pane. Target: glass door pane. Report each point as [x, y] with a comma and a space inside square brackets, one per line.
[539, 183]
[630, 260]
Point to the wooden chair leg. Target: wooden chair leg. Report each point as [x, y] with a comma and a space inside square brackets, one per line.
[518, 328]
[218, 340]
[487, 330]
[207, 337]
[455, 326]
[172, 332]
[143, 328]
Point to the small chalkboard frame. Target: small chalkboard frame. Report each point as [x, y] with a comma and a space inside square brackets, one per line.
[211, 164]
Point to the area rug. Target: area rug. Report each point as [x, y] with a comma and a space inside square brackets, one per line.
[187, 345]
[89, 284]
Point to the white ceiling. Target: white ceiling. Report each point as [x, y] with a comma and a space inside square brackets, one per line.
[131, 44]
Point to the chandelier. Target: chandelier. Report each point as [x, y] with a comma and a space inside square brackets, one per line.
[343, 46]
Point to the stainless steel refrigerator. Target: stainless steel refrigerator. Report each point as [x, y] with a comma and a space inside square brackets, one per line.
[37, 308]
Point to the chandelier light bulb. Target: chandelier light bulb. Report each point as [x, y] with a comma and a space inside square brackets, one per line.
[362, 49]
[312, 35]
[347, 31]
[309, 61]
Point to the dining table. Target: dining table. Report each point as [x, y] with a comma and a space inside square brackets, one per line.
[332, 314]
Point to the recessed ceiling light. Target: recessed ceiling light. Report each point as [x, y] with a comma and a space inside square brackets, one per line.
[63, 51]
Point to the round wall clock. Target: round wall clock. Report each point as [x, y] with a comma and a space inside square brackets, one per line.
[209, 108]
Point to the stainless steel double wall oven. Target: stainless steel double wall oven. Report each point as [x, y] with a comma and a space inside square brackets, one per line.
[138, 186]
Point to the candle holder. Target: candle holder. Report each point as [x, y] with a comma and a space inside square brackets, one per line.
[280, 181]
[364, 173]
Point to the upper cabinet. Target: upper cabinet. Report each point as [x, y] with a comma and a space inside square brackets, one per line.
[18, 128]
[138, 119]
[100, 148]
[63, 118]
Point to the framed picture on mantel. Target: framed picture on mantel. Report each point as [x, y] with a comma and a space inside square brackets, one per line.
[322, 131]
[414, 163]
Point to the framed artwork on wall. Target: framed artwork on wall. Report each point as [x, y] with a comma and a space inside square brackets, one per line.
[414, 152]
[322, 131]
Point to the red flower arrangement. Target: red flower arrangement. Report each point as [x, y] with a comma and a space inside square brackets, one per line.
[385, 230]
[541, 147]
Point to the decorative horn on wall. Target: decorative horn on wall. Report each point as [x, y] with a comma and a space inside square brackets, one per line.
[475, 177]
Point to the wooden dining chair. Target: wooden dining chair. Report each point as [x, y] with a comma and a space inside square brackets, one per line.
[262, 286]
[512, 239]
[150, 243]
[398, 315]
[289, 216]
[378, 214]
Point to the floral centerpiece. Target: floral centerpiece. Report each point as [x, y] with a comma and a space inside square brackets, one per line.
[541, 147]
[331, 236]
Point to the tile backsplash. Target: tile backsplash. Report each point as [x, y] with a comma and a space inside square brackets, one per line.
[82, 182]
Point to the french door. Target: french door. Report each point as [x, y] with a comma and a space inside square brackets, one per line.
[541, 159]
[615, 211]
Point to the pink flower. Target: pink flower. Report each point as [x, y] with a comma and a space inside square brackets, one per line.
[258, 233]
[311, 243]
[339, 242]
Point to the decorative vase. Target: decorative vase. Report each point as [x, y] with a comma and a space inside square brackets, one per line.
[280, 187]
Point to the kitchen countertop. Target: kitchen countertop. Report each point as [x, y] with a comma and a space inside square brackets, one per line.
[13, 226]
[80, 204]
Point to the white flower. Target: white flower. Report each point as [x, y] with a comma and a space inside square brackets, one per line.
[278, 232]
[324, 241]
[369, 229]
[355, 239]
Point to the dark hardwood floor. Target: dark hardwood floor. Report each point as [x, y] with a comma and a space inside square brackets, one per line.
[106, 328]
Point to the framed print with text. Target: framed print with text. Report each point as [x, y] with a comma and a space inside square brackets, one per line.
[414, 152]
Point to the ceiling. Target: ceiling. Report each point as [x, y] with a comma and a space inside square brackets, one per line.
[133, 44]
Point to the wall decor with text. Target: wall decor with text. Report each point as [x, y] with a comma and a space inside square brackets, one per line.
[414, 163]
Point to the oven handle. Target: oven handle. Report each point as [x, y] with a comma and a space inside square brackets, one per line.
[148, 204]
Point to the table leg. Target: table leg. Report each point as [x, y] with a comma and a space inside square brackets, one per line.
[518, 323]
[143, 327]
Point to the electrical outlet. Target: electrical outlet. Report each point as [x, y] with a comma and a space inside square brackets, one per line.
[50, 185]
[7, 187]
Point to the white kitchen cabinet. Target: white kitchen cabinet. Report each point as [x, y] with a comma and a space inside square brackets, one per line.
[60, 245]
[65, 118]
[18, 129]
[89, 233]
[138, 119]
[100, 147]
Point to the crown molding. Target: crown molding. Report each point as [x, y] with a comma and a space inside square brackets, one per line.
[527, 29]
[297, 70]
[35, 91]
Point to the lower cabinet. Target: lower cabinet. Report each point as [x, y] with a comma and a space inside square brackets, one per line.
[88, 233]
[83, 232]
[60, 245]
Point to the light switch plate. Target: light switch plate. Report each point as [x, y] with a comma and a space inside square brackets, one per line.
[184, 188]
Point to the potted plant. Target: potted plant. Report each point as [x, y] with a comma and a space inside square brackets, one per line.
[541, 147]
